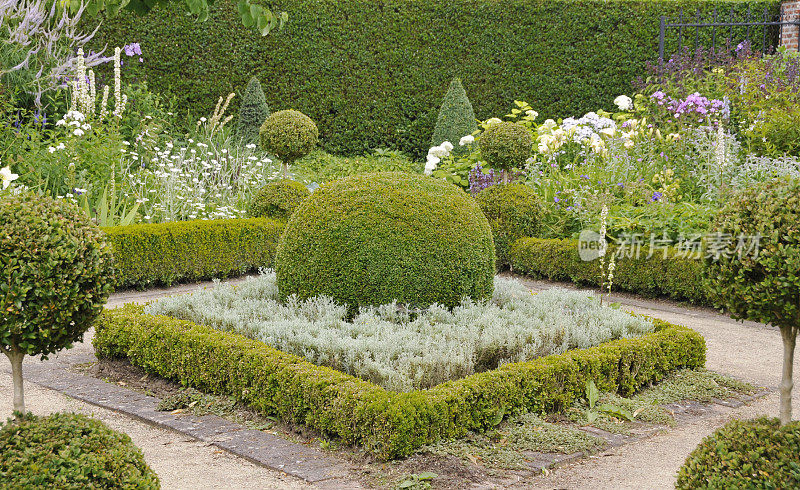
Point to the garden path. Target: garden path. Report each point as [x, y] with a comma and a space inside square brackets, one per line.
[749, 351]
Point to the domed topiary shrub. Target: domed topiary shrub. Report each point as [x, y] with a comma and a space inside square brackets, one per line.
[506, 145]
[752, 264]
[456, 118]
[253, 112]
[289, 135]
[278, 199]
[745, 454]
[70, 451]
[56, 273]
[514, 211]
[375, 238]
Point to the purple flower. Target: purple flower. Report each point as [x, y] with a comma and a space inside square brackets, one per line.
[585, 177]
[621, 184]
[656, 196]
[556, 199]
[133, 49]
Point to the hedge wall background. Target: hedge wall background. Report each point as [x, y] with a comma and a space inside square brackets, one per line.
[372, 73]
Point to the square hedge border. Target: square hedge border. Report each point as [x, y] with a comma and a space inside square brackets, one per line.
[387, 424]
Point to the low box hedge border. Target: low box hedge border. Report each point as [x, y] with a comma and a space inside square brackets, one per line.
[558, 260]
[166, 253]
[387, 424]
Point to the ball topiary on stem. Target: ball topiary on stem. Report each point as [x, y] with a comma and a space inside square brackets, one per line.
[514, 211]
[506, 145]
[278, 200]
[761, 285]
[57, 273]
[289, 135]
[253, 112]
[456, 118]
[372, 239]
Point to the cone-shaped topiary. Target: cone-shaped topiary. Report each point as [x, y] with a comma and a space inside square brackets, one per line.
[67, 450]
[745, 454]
[56, 273]
[375, 238]
[253, 112]
[289, 135]
[278, 199]
[456, 118]
[506, 145]
[514, 211]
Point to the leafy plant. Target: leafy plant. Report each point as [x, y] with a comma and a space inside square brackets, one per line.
[289, 135]
[107, 211]
[593, 396]
[253, 112]
[416, 482]
[456, 118]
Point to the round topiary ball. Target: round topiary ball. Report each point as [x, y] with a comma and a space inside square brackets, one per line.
[67, 450]
[506, 145]
[745, 454]
[57, 272]
[278, 199]
[514, 211]
[372, 239]
[289, 135]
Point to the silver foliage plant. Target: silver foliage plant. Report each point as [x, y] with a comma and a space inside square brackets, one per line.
[39, 44]
[401, 351]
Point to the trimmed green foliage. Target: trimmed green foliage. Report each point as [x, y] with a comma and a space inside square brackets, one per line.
[166, 253]
[514, 211]
[56, 272]
[506, 145]
[289, 135]
[558, 260]
[375, 238]
[278, 200]
[70, 451]
[379, 85]
[745, 454]
[456, 118]
[386, 423]
[253, 112]
[323, 167]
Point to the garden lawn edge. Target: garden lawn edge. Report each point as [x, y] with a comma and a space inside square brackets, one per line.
[387, 424]
[166, 253]
[659, 275]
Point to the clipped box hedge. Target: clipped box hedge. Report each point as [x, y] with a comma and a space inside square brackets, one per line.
[558, 260]
[165, 253]
[387, 424]
[373, 73]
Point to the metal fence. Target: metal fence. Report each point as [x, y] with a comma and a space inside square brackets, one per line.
[726, 27]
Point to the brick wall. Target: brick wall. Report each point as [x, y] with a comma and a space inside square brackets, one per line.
[790, 35]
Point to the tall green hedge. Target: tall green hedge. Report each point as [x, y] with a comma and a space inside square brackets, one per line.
[372, 73]
[165, 253]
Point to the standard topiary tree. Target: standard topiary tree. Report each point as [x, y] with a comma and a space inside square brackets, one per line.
[514, 211]
[745, 454]
[763, 286]
[372, 239]
[506, 145]
[56, 273]
[67, 450]
[289, 135]
[253, 112]
[278, 200]
[456, 118]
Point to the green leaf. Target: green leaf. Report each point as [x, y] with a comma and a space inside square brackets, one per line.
[592, 393]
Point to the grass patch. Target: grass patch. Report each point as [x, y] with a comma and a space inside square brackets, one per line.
[322, 167]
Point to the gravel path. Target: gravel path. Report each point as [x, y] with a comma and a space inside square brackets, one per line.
[749, 351]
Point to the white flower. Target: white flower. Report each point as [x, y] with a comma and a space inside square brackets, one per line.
[628, 143]
[608, 131]
[51, 149]
[78, 132]
[7, 177]
[438, 152]
[250, 146]
[447, 146]
[466, 140]
[491, 121]
[430, 165]
[624, 103]
[532, 114]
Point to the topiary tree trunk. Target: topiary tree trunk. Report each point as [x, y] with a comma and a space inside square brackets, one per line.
[15, 356]
[789, 335]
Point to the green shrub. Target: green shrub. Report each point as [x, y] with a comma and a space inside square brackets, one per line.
[67, 450]
[506, 145]
[289, 135]
[456, 118]
[57, 273]
[253, 112]
[514, 211]
[278, 200]
[322, 167]
[375, 238]
[762, 284]
[745, 454]
[379, 85]
[165, 253]
[385, 423]
[558, 260]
